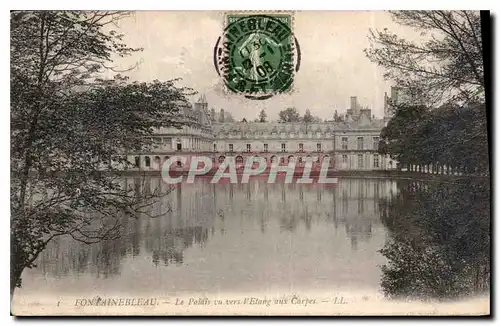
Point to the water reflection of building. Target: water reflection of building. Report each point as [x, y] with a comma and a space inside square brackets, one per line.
[351, 202]
[191, 215]
[181, 220]
[186, 221]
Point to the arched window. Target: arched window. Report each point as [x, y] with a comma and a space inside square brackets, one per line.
[221, 159]
[291, 158]
[165, 159]
[239, 159]
[179, 163]
[282, 160]
[157, 159]
[254, 161]
[137, 161]
[148, 161]
[300, 159]
[273, 159]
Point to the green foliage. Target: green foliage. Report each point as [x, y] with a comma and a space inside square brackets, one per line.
[445, 64]
[337, 117]
[442, 120]
[68, 124]
[289, 115]
[450, 135]
[439, 246]
[262, 116]
[307, 116]
[293, 115]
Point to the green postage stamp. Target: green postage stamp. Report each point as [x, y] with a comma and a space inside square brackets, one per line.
[257, 55]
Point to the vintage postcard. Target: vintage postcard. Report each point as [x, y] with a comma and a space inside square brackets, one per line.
[250, 163]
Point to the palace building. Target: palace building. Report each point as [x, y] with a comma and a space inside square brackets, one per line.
[351, 144]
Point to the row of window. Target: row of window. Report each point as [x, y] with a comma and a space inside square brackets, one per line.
[360, 143]
[239, 159]
[266, 147]
[147, 160]
[195, 142]
[273, 133]
[274, 159]
[376, 160]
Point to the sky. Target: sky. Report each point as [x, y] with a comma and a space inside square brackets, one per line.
[333, 65]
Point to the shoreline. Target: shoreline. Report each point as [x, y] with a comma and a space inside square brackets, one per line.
[351, 174]
[315, 175]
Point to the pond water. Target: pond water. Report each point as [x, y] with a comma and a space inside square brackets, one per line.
[394, 238]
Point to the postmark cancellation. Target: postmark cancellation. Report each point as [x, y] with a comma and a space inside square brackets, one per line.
[257, 55]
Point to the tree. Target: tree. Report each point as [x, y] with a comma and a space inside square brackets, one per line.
[402, 138]
[262, 116]
[336, 117]
[446, 66]
[228, 117]
[68, 124]
[308, 118]
[435, 250]
[289, 115]
[444, 74]
[451, 135]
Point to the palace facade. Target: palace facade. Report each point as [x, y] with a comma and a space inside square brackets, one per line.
[351, 144]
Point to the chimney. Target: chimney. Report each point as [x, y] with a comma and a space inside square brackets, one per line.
[354, 103]
[212, 114]
[221, 115]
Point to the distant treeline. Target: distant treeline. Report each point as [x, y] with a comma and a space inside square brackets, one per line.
[451, 135]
